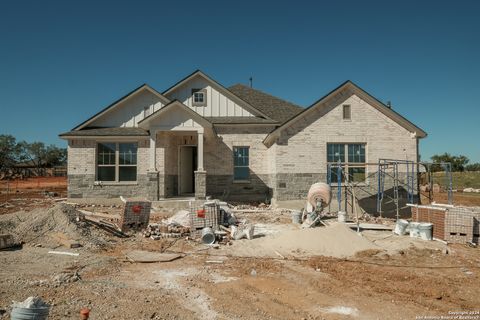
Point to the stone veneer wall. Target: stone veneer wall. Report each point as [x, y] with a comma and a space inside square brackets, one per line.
[82, 172]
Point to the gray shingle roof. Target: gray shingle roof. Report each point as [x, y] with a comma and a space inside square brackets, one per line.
[240, 120]
[275, 108]
[107, 132]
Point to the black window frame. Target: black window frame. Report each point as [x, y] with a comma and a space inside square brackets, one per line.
[350, 161]
[122, 162]
[238, 166]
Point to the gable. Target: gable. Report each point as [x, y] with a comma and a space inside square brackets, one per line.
[130, 111]
[151, 102]
[330, 101]
[174, 116]
[219, 101]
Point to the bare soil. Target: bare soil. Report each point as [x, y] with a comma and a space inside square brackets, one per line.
[31, 193]
[207, 283]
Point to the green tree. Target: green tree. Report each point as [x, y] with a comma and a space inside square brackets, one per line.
[42, 156]
[9, 152]
[458, 162]
[473, 167]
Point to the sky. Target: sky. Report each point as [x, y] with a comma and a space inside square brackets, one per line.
[63, 61]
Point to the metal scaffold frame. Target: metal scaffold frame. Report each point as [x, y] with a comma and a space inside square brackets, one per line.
[384, 164]
[387, 168]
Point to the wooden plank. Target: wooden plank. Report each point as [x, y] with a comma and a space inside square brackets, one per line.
[149, 257]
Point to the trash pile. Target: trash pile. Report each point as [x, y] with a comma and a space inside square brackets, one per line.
[211, 222]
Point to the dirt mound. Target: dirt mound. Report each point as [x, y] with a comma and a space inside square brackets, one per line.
[336, 240]
[38, 226]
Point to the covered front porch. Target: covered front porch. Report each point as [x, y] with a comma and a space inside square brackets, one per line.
[176, 154]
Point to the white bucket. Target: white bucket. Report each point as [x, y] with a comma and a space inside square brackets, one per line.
[414, 232]
[208, 236]
[296, 217]
[425, 231]
[401, 227]
[342, 216]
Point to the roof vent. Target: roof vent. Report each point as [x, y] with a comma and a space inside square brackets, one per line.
[389, 104]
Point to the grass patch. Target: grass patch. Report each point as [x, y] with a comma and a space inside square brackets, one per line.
[460, 180]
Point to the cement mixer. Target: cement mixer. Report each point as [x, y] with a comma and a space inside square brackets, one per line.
[319, 196]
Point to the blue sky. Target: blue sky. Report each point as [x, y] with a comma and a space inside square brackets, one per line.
[62, 61]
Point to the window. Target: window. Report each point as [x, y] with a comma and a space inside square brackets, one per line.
[347, 112]
[199, 97]
[241, 170]
[117, 162]
[355, 164]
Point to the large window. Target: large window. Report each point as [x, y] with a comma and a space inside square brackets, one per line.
[241, 163]
[352, 157]
[116, 161]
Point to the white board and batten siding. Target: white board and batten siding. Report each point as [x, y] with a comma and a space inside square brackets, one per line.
[175, 119]
[131, 111]
[218, 104]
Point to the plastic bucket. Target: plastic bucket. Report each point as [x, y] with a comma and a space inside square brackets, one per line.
[414, 232]
[342, 216]
[425, 231]
[400, 227]
[296, 217]
[29, 313]
[208, 236]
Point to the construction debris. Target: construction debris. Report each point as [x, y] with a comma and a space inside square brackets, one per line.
[149, 257]
[135, 215]
[6, 241]
[31, 303]
[65, 253]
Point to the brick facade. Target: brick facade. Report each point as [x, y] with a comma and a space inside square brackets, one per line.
[282, 171]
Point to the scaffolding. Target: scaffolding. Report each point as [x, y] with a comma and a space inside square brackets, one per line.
[401, 173]
[383, 171]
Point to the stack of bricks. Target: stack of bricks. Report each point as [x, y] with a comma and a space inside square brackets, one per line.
[135, 215]
[432, 215]
[204, 216]
[459, 225]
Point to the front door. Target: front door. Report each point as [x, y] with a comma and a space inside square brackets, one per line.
[187, 164]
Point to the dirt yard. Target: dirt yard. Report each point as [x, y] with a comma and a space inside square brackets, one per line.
[30, 193]
[396, 278]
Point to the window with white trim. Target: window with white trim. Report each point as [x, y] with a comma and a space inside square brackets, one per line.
[355, 166]
[116, 162]
[241, 162]
[199, 97]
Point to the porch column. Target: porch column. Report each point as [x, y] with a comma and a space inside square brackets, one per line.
[200, 152]
[153, 149]
[200, 174]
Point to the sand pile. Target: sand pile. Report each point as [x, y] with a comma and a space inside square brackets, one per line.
[336, 240]
[34, 227]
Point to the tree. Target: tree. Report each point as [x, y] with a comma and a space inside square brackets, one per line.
[458, 162]
[42, 156]
[9, 152]
[473, 167]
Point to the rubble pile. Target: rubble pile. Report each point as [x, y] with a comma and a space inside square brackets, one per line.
[37, 227]
[157, 231]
